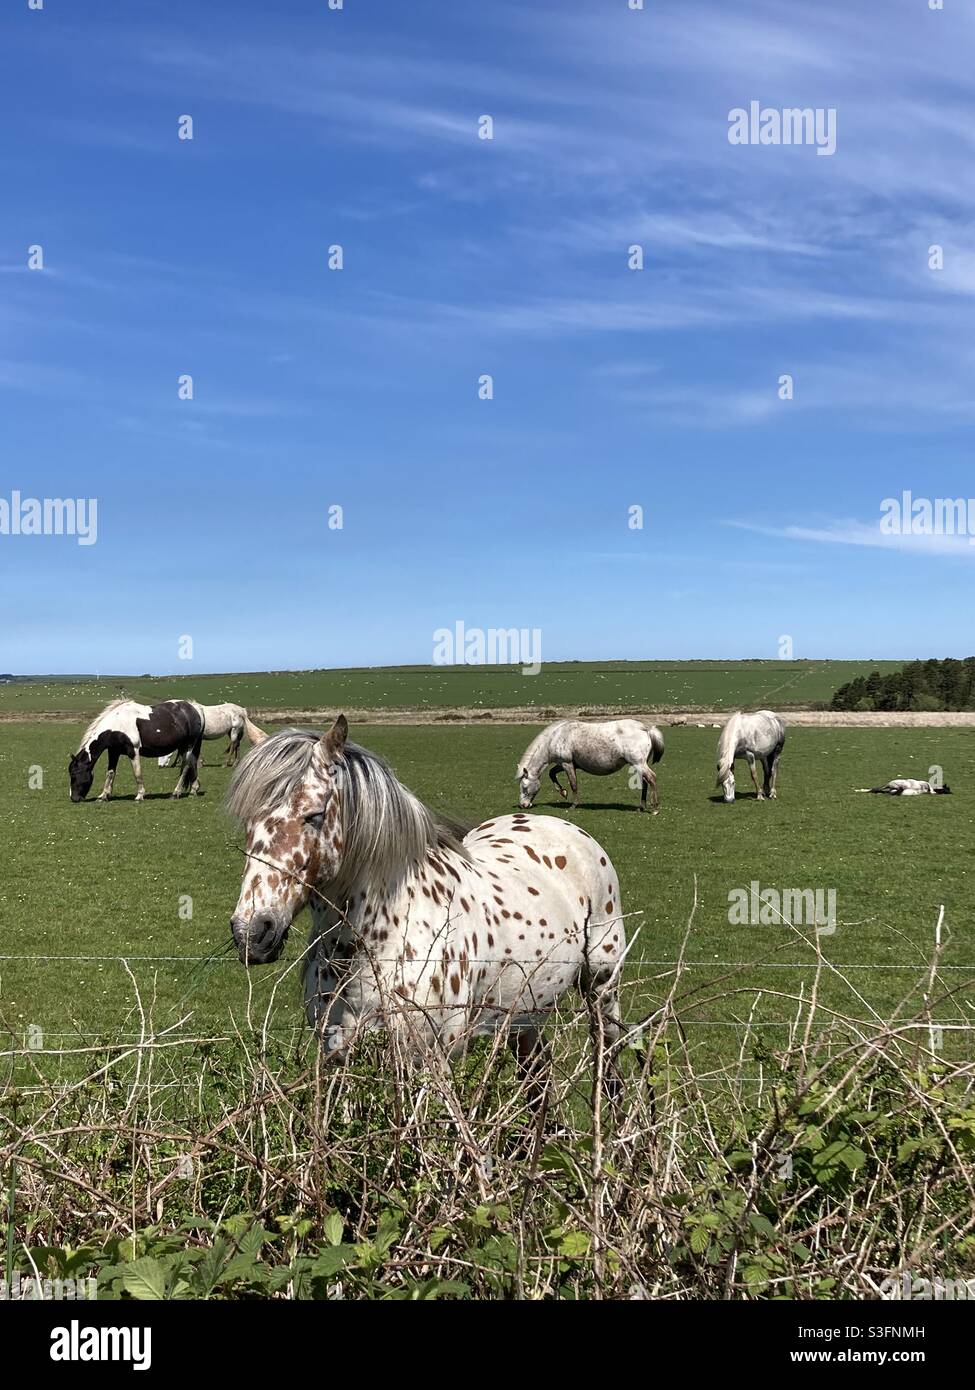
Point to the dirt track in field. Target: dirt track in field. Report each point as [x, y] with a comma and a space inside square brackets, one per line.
[691, 718]
[913, 719]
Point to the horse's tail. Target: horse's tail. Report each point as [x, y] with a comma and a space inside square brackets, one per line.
[727, 742]
[255, 734]
[656, 743]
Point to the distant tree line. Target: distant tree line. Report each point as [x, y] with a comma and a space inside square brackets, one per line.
[923, 685]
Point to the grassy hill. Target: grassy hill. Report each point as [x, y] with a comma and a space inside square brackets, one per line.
[580, 684]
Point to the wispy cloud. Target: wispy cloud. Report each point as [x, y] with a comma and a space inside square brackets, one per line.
[862, 533]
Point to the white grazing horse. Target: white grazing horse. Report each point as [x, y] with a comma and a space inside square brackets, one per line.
[218, 720]
[760, 735]
[413, 929]
[599, 748]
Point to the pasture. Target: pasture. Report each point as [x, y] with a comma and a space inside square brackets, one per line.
[577, 684]
[87, 886]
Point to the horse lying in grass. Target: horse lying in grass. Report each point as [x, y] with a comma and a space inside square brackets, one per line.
[572, 745]
[219, 720]
[908, 786]
[760, 735]
[416, 927]
[125, 727]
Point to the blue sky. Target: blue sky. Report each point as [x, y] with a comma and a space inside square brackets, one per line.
[612, 387]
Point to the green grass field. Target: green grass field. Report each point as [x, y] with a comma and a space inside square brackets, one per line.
[620, 684]
[88, 884]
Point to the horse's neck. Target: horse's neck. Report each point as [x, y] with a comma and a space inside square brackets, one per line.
[345, 908]
[539, 752]
[102, 725]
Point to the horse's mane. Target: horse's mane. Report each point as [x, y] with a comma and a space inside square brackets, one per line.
[538, 742]
[89, 733]
[727, 742]
[386, 826]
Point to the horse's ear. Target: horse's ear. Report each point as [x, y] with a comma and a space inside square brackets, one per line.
[334, 741]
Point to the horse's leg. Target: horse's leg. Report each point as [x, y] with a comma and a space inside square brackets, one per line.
[140, 786]
[750, 758]
[649, 779]
[767, 775]
[776, 754]
[570, 772]
[106, 791]
[533, 1056]
[553, 772]
[188, 777]
[192, 761]
[178, 789]
[600, 990]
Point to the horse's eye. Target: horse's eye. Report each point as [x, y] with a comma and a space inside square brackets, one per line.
[317, 819]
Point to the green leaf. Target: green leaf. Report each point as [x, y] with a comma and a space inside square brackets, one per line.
[331, 1260]
[333, 1228]
[700, 1239]
[145, 1279]
[827, 1163]
[574, 1245]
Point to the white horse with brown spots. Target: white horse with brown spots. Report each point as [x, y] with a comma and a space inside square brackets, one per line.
[572, 745]
[433, 937]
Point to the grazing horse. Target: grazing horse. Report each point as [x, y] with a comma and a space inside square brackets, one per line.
[133, 729]
[760, 735]
[598, 748]
[413, 929]
[232, 720]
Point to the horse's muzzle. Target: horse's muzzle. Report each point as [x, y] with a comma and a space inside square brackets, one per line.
[261, 940]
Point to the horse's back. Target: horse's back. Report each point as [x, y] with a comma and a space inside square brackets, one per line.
[564, 877]
[605, 746]
[170, 725]
[761, 731]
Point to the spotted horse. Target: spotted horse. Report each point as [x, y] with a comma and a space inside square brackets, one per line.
[125, 728]
[416, 927]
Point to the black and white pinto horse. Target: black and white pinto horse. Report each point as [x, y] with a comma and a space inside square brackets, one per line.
[125, 727]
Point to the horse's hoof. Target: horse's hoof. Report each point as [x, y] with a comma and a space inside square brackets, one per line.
[759, 796]
[772, 796]
[141, 796]
[177, 795]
